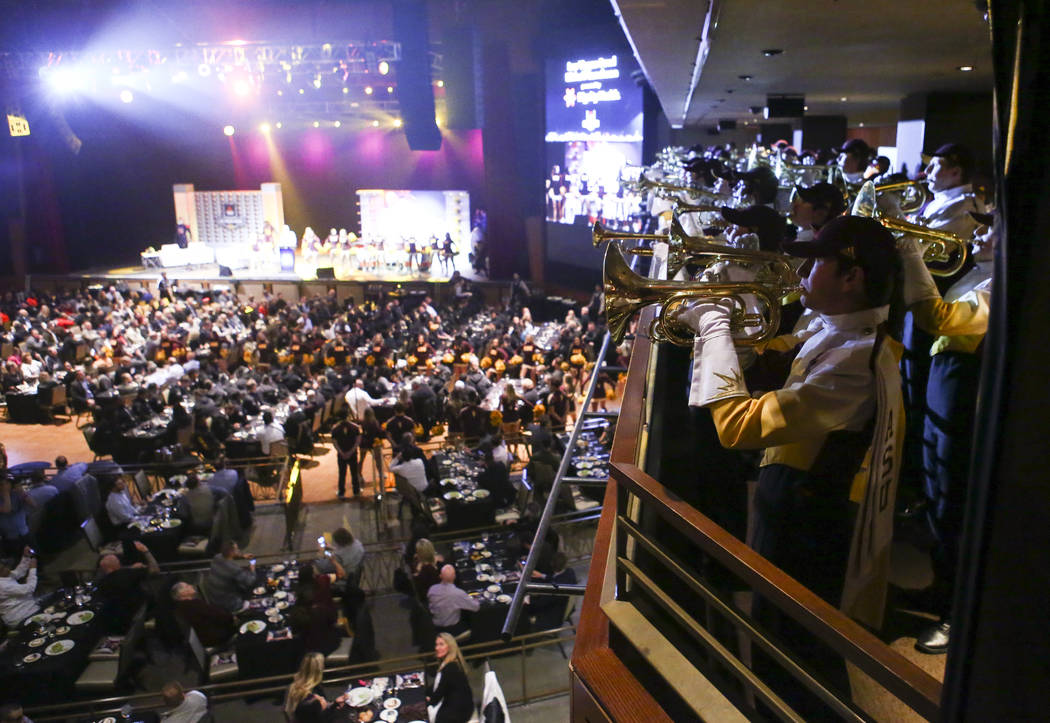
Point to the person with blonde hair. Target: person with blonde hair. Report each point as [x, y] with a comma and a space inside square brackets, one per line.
[425, 571]
[450, 699]
[305, 701]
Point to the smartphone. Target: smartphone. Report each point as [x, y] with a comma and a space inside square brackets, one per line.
[32, 552]
[320, 541]
[327, 553]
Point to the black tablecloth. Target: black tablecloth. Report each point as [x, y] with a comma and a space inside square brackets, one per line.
[52, 678]
[23, 408]
[258, 657]
[487, 622]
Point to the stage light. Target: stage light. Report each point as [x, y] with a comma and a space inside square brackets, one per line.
[280, 92]
[843, 99]
[397, 123]
[279, 125]
[345, 90]
[228, 130]
[390, 89]
[242, 88]
[65, 80]
[375, 124]
[317, 124]
[441, 84]
[368, 90]
[965, 68]
[204, 70]
[317, 81]
[301, 91]
[384, 67]
[337, 124]
[264, 128]
[126, 96]
[180, 77]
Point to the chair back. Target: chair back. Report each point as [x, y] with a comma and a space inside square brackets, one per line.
[86, 498]
[131, 642]
[198, 651]
[92, 533]
[41, 496]
[142, 485]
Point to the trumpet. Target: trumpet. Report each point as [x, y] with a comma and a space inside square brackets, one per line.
[942, 247]
[918, 191]
[627, 292]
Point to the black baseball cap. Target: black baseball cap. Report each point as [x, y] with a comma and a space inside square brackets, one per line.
[823, 195]
[762, 182]
[863, 241]
[985, 219]
[769, 225]
[856, 147]
[957, 155]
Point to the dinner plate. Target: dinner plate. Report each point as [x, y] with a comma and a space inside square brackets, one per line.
[280, 594]
[494, 588]
[389, 715]
[59, 646]
[481, 494]
[392, 703]
[584, 473]
[31, 658]
[171, 522]
[253, 626]
[38, 619]
[482, 577]
[259, 590]
[478, 545]
[486, 553]
[453, 496]
[62, 630]
[37, 642]
[84, 616]
[272, 612]
[281, 605]
[277, 568]
[505, 599]
[484, 567]
[448, 481]
[359, 697]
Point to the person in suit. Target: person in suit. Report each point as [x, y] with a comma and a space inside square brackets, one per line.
[450, 694]
[227, 582]
[550, 609]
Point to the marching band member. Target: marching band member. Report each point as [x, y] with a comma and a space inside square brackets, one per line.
[959, 321]
[853, 159]
[817, 427]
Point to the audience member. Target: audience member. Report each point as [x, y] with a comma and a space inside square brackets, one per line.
[184, 706]
[16, 598]
[214, 625]
[227, 582]
[447, 602]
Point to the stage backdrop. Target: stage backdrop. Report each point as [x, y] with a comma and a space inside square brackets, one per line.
[397, 215]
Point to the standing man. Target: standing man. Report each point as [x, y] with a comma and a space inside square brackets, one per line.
[358, 400]
[346, 438]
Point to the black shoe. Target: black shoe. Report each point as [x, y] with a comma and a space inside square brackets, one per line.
[342, 495]
[934, 640]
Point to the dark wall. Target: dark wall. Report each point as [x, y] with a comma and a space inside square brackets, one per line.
[823, 131]
[115, 195]
[961, 118]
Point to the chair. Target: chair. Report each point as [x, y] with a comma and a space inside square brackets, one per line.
[52, 399]
[93, 535]
[109, 673]
[214, 667]
[142, 485]
[199, 545]
[341, 655]
[86, 499]
[41, 496]
[410, 496]
[89, 437]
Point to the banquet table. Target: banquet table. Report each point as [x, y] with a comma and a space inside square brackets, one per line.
[36, 672]
[487, 569]
[387, 698]
[462, 504]
[160, 530]
[23, 407]
[265, 645]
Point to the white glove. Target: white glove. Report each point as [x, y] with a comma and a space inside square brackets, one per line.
[918, 284]
[716, 367]
[706, 318]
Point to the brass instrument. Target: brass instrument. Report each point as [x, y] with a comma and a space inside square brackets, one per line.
[942, 247]
[627, 292]
[918, 191]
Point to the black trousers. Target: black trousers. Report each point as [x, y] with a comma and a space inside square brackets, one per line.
[355, 473]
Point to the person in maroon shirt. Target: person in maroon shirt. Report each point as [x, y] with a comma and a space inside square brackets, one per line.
[214, 625]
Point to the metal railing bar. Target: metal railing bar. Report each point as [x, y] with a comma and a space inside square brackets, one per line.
[741, 622]
[511, 622]
[738, 668]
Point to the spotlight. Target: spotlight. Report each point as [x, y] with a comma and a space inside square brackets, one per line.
[180, 77]
[65, 80]
[843, 99]
[375, 124]
[397, 123]
[860, 125]
[965, 68]
[345, 90]
[228, 130]
[242, 88]
[745, 77]
[126, 96]
[279, 125]
[368, 90]
[204, 70]
[317, 124]
[280, 92]
[441, 84]
[264, 128]
[301, 91]
[317, 81]
[770, 52]
[390, 89]
[337, 124]
[384, 67]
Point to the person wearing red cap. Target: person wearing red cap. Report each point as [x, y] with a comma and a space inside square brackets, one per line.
[958, 321]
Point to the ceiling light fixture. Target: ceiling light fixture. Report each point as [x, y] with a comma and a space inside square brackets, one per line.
[770, 52]
[965, 68]
[843, 99]
[228, 130]
[745, 77]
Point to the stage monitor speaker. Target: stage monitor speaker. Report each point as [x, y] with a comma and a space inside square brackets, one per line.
[225, 270]
[415, 92]
[325, 272]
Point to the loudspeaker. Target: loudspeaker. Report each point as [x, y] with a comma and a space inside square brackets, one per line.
[726, 125]
[460, 61]
[786, 106]
[225, 270]
[415, 92]
[325, 272]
